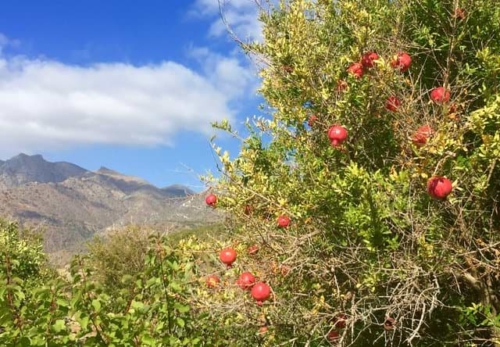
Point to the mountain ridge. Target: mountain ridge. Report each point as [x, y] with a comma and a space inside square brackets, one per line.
[73, 204]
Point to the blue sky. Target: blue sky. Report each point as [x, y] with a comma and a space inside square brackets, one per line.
[130, 85]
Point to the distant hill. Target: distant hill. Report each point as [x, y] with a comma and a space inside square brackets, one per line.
[72, 204]
[23, 169]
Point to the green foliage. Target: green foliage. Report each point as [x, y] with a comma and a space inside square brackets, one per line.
[366, 238]
[150, 307]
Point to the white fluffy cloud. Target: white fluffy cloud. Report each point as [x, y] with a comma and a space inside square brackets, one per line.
[45, 104]
[240, 15]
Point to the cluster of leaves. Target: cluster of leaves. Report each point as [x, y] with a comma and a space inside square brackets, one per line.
[150, 306]
[366, 240]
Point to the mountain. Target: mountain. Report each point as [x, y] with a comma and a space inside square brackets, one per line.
[71, 204]
[23, 169]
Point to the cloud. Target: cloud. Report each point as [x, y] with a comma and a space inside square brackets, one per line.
[46, 104]
[242, 17]
[233, 76]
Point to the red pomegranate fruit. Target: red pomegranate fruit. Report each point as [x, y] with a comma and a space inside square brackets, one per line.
[228, 256]
[439, 187]
[367, 60]
[212, 281]
[340, 321]
[283, 221]
[440, 95]
[422, 135]
[246, 280]
[401, 62]
[356, 69]
[333, 336]
[261, 292]
[211, 200]
[312, 119]
[392, 103]
[337, 134]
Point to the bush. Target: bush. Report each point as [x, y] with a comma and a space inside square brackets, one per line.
[371, 242]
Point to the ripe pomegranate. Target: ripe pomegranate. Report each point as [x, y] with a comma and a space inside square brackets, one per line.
[340, 321]
[212, 281]
[367, 60]
[333, 336]
[401, 62]
[246, 280]
[283, 221]
[252, 250]
[422, 135]
[211, 200]
[337, 134]
[228, 256]
[312, 119]
[392, 103]
[440, 95]
[356, 69]
[439, 187]
[261, 292]
[263, 330]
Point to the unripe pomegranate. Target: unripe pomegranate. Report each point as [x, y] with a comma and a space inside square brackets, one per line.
[422, 135]
[211, 200]
[439, 187]
[283, 221]
[341, 86]
[337, 134]
[212, 281]
[440, 95]
[356, 69]
[401, 62]
[368, 59]
[252, 250]
[312, 119]
[228, 256]
[246, 280]
[261, 292]
[392, 103]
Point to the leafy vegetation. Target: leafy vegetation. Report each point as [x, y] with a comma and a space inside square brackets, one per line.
[367, 200]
